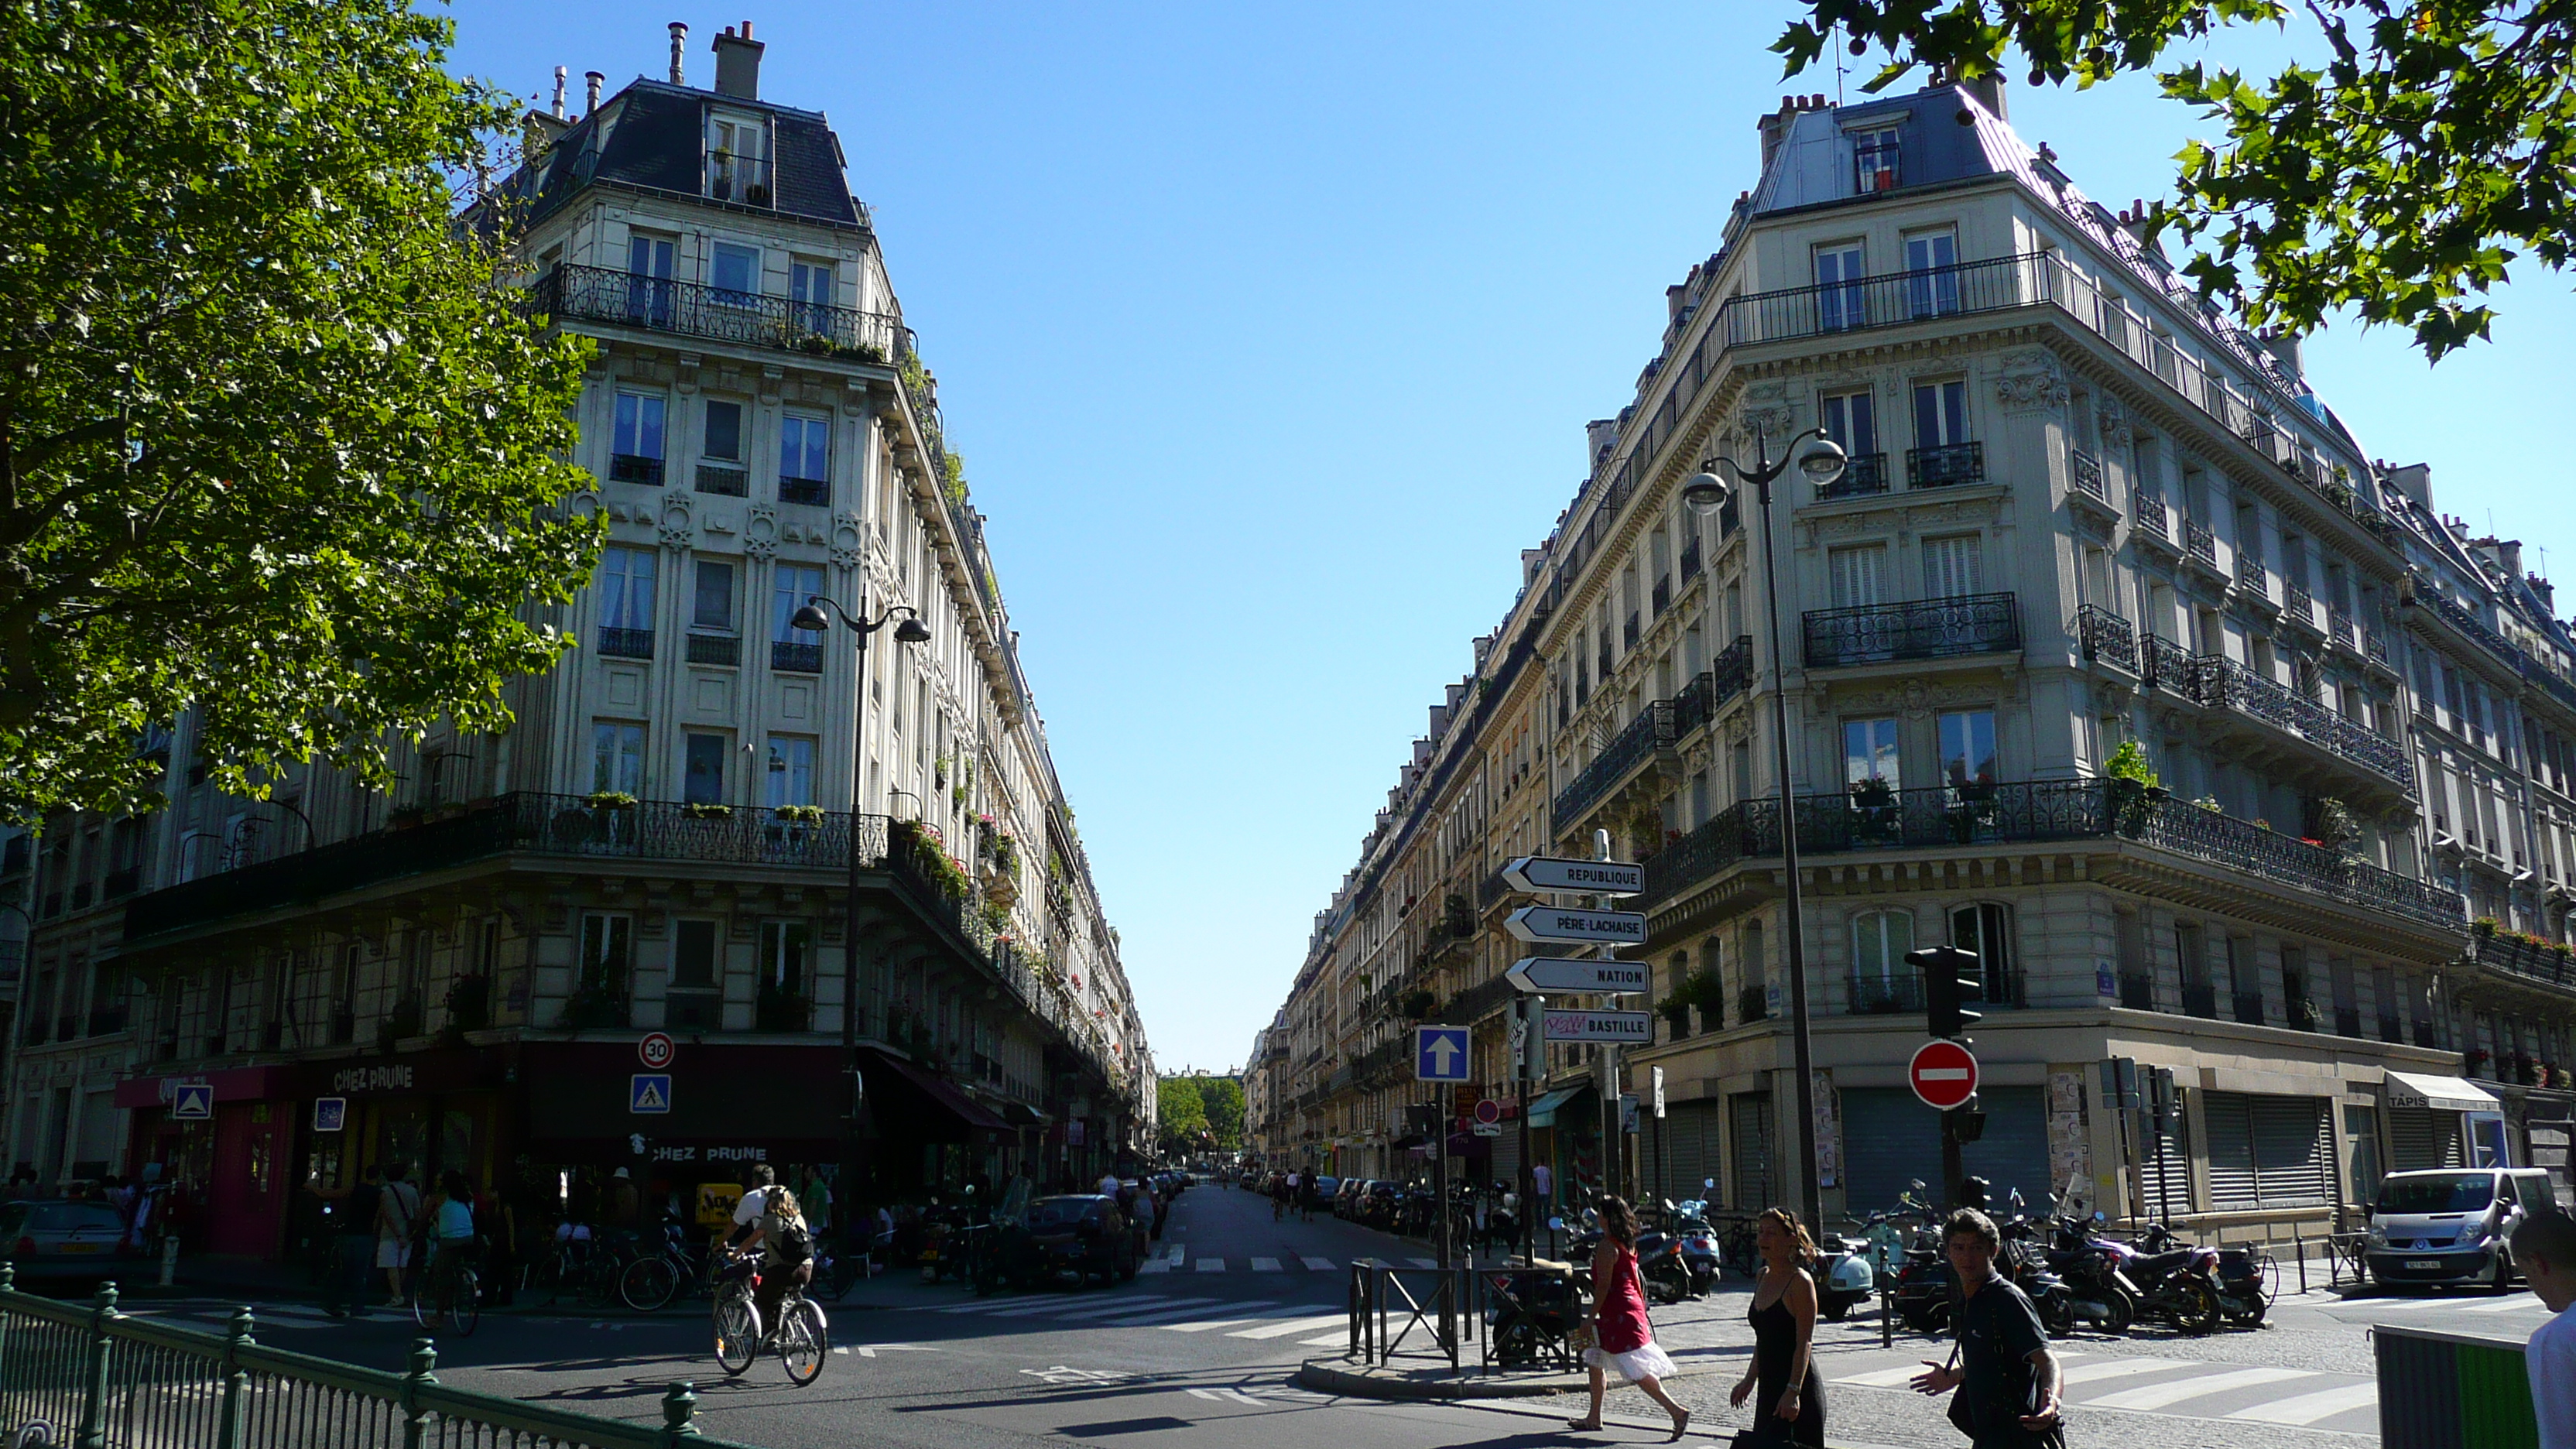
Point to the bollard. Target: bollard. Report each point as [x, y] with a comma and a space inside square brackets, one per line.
[679, 1411]
[169, 1259]
[93, 1423]
[2299, 1250]
[228, 1432]
[424, 1360]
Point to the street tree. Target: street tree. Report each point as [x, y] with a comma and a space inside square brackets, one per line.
[2434, 147]
[274, 441]
[1223, 1099]
[1179, 1109]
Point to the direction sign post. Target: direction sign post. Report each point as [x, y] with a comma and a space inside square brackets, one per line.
[1582, 877]
[1632, 1027]
[1581, 928]
[1596, 978]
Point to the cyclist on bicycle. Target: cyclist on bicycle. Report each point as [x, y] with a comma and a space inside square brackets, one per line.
[452, 1230]
[767, 1219]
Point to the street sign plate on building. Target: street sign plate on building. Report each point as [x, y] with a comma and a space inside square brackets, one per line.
[330, 1114]
[1583, 928]
[648, 1092]
[1943, 1074]
[1598, 978]
[1587, 877]
[1635, 1028]
[1440, 1053]
[192, 1102]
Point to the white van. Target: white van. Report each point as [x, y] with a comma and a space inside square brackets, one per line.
[2452, 1224]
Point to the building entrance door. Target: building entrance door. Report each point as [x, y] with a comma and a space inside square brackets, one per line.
[245, 1198]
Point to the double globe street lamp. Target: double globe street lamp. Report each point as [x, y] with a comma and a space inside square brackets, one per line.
[910, 630]
[1705, 492]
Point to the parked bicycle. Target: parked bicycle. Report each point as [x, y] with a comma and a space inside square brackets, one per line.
[802, 1336]
[448, 1295]
[654, 1280]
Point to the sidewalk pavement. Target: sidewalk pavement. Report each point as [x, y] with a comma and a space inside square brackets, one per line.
[1701, 1335]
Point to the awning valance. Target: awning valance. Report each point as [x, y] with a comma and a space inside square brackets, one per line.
[1542, 1110]
[2442, 1094]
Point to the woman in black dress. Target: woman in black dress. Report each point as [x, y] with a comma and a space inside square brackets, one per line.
[1788, 1397]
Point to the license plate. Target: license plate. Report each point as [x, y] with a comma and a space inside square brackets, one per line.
[80, 1247]
[2423, 1262]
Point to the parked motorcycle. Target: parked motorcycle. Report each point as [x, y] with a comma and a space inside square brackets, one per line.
[2173, 1284]
[2096, 1292]
[1843, 1277]
[1528, 1315]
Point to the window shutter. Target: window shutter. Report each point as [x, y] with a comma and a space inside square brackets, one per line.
[1855, 575]
[1950, 567]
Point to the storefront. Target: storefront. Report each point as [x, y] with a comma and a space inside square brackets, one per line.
[223, 1144]
[2437, 1121]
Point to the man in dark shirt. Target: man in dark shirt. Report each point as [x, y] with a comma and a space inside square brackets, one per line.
[2007, 1377]
[353, 1242]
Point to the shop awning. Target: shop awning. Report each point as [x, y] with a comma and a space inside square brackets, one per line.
[1542, 1112]
[1021, 1114]
[2442, 1094]
[946, 1094]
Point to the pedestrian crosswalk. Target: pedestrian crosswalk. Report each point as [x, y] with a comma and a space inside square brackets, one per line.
[1178, 1259]
[1259, 1319]
[2293, 1397]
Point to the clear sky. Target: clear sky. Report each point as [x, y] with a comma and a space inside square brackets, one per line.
[1268, 333]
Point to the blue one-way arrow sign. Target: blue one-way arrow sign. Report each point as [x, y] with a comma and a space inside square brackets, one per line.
[1440, 1053]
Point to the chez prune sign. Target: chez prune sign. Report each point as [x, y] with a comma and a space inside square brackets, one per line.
[348, 1080]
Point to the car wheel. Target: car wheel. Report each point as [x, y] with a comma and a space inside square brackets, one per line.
[2501, 1281]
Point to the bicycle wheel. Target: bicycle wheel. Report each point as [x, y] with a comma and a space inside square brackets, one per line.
[465, 1303]
[648, 1284]
[737, 1332]
[804, 1341]
[546, 1276]
[599, 1278]
[424, 1307]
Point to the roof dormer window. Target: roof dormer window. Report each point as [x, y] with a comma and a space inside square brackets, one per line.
[737, 166]
[1874, 160]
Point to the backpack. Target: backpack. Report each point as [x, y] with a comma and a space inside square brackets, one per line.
[788, 1238]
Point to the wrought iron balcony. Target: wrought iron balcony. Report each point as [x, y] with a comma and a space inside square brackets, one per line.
[1662, 597]
[2339, 628]
[2249, 1008]
[2106, 637]
[600, 294]
[2249, 572]
[2538, 964]
[2221, 683]
[814, 491]
[715, 649]
[2200, 1000]
[1945, 466]
[2298, 606]
[1690, 559]
[634, 468]
[1918, 629]
[725, 480]
[2199, 542]
[1627, 640]
[2138, 990]
[1650, 731]
[1711, 688]
[2086, 470]
[1887, 301]
[1863, 474]
[626, 643]
[1873, 995]
[2153, 519]
[2047, 810]
[791, 658]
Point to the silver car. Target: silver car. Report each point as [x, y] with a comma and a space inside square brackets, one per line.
[2452, 1225]
[61, 1238]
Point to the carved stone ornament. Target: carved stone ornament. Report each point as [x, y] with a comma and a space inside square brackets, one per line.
[760, 532]
[848, 535]
[2114, 422]
[1918, 700]
[678, 530]
[2031, 381]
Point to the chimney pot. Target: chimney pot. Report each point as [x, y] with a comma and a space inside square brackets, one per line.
[738, 64]
[592, 81]
[679, 49]
[560, 73]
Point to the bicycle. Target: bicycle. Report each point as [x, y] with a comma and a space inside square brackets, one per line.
[653, 1280]
[802, 1338]
[448, 1293]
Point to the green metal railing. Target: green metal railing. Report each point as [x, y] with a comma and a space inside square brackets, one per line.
[103, 1379]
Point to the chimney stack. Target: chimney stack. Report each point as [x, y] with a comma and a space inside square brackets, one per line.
[679, 49]
[560, 73]
[1989, 91]
[1775, 128]
[592, 81]
[738, 64]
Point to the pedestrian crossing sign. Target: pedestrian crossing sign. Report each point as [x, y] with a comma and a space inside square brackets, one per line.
[649, 1092]
[193, 1102]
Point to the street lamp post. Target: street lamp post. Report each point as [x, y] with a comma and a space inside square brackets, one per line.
[911, 631]
[1705, 492]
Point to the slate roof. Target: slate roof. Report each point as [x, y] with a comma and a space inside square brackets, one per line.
[649, 137]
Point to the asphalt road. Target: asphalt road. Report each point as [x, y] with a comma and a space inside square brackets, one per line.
[1201, 1348]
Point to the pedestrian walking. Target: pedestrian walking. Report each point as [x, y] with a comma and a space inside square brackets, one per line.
[1622, 1338]
[397, 1214]
[353, 1242]
[1788, 1395]
[2544, 1247]
[2006, 1377]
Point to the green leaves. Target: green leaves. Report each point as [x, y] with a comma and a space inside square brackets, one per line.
[273, 441]
[2402, 179]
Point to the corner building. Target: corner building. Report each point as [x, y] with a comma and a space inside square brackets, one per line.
[662, 842]
[2081, 511]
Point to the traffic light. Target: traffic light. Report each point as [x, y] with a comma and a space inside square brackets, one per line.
[1950, 980]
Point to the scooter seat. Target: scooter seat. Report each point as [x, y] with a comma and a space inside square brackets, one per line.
[2156, 1265]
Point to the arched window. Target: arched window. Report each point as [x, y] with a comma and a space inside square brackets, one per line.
[1880, 979]
[1986, 928]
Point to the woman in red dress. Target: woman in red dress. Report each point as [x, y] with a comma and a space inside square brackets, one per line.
[1621, 1336]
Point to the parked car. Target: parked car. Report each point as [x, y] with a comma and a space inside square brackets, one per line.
[1347, 1194]
[60, 1238]
[1328, 1191]
[1082, 1234]
[2453, 1224]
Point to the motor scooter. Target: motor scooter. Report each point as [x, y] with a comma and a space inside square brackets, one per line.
[1843, 1277]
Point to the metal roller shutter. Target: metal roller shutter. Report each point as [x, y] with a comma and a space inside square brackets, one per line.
[1891, 1139]
[1692, 1131]
[2419, 1138]
[1506, 1167]
[1753, 1183]
[2231, 1152]
[2267, 1151]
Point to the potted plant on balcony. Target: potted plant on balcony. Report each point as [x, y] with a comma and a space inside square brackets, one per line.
[2131, 787]
[706, 810]
[400, 1024]
[2303, 1014]
[1753, 1003]
[2483, 927]
[2474, 1061]
[1416, 1004]
[1676, 1011]
[1874, 809]
[798, 814]
[2337, 829]
[469, 1007]
[606, 800]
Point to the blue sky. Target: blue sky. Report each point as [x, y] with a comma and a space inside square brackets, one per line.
[1268, 334]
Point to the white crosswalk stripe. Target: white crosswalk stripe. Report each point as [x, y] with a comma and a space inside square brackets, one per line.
[1019, 1304]
[1320, 1265]
[2309, 1408]
[1127, 1306]
[2163, 1396]
[1330, 1340]
[1883, 1378]
[1155, 1265]
[2513, 1304]
[1199, 1308]
[1211, 1265]
[1424, 1262]
[2122, 1368]
[1293, 1325]
[1265, 1265]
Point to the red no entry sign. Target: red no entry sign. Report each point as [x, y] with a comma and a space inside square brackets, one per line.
[1943, 1074]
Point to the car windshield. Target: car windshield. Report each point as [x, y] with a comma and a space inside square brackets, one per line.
[2465, 1192]
[63, 1217]
[1056, 1214]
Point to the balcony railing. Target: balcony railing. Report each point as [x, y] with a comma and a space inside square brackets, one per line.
[2199, 542]
[2086, 470]
[600, 294]
[2298, 605]
[2044, 810]
[2200, 1000]
[626, 643]
[2539, 964]
[791, 658]
[2249, 573]
[1711, 688]
[1690, 559]
[2106, 637]
[107, 1021]
[814, 491]
[1885, 995]
[2249, 1007]
[719, 479]
[1945, 466]
[634, 468]
[2339, 628]
[715, 649]
[2138, 990]
[2221, 683]
[1863, 474]
[1919, 629]
[2153, 519]
[1662, 597]
[1650, 731]
[1886, 301]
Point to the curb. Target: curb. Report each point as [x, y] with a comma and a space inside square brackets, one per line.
[1327, 1376]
